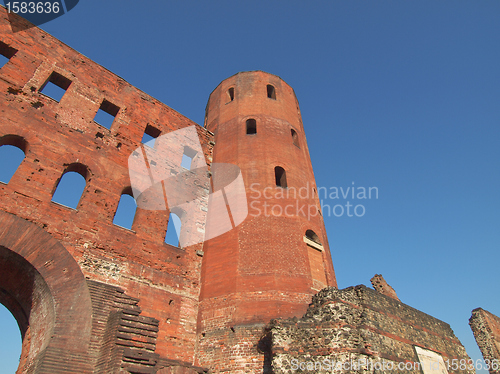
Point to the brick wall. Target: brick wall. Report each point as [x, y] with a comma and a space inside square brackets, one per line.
[59, 135]
[263, 268]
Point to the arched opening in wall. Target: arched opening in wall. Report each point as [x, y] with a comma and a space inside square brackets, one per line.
[251, 126]
[173, 234]
[12, 152]
[230, 94]
[10, 341]
[313, 239]
[70, 186]
[271, 92]
[280, 176]
[125, 213]
[295, 138]
[27, 297]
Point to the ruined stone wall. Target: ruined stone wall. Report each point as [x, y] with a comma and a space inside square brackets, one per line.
[56, 136]
[486, 329]
[356, 326]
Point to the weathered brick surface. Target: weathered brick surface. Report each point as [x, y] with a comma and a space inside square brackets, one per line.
[239, 349]
[486, 329]
[44, 288]
[358, 324]
[379, 283]
[262, 268]
[163, 278]
[92, 297]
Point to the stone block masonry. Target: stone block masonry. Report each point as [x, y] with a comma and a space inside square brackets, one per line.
[486, 329]
[363, 330]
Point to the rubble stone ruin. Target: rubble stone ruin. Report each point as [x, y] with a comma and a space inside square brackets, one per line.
[258, 295]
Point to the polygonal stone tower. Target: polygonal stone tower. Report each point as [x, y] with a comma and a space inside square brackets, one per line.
[270, 265]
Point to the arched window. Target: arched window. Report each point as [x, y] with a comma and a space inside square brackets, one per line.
[280, 175]
[271, 92]
[173, 230]
[70, 186]
[251, 126]
[125, 212]
[312, 240]
[295, 138]
[12, 148]
[230, 94]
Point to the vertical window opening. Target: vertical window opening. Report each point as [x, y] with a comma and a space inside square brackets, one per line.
[251, 127]
[70, 186]
[280, 175]
[271, 92]
[56, 86]
[106, 114]
[173, 230]
[150, 135]
[295, 138]
[12, 148]
[186, 161]
[187, 158]
[6, 53]
[230, 93]
[125, 212]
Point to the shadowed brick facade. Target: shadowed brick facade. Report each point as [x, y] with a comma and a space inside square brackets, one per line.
[92, 297]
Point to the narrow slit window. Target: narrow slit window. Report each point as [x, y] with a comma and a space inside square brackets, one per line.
[106, 114]
[12, 148]
[271, 92]
[125, 213]
[56, 86]
[230, 94]
[187, 158]
[295, 138]
[173, 230]
[150, 135]
[251, 127]
[280, 175]
[6, 53]
[71, 185]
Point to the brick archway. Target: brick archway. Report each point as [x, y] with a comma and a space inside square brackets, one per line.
[44, 288]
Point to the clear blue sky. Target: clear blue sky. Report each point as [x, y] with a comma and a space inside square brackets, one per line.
[399, 95]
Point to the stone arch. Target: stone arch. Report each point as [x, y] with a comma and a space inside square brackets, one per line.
[43, 287]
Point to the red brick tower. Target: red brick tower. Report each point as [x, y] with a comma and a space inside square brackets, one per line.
[270, 265]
